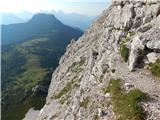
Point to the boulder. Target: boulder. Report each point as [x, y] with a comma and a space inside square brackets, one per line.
[128, 86]
[39, 89]
[154, 44]
[153, 36]
[153, 57]
[137, 44]
[107, 95]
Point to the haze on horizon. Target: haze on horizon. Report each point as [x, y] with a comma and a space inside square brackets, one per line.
[85, 7]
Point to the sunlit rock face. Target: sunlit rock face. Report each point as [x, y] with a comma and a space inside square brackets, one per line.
[76, 90]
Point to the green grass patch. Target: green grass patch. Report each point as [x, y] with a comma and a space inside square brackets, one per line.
[95, 117]
[77, 66]
[124, 50]
[31, 77]
[155, 68]
[126, 105]
[85, 102]
[65, 90]
[63, 94]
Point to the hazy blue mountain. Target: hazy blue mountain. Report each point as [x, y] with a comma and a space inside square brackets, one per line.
[30, 53]
[37, 26]
[13, 18]
[9, 18]
[74, 19]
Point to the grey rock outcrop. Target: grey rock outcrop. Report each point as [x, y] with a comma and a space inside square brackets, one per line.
[137, 44]
[153, 57]
[39, 89]
[89, 64]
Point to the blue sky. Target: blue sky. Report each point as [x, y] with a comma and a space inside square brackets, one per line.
[87, 7]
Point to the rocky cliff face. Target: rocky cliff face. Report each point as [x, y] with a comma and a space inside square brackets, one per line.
[122, 43]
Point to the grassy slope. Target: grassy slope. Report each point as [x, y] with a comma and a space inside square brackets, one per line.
[126, 105]
[155, 68]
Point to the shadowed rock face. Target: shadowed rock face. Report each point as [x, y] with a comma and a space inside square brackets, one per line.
[89, 64]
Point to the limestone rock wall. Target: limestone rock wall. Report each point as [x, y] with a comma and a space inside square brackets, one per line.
[94, 59]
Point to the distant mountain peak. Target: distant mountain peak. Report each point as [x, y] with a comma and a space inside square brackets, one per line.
[44, 15]
[38, 25]
[44, 18]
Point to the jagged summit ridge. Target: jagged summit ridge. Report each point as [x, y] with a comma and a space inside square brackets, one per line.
[144, 1]
[125, 38]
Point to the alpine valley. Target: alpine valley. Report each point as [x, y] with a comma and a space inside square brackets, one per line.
[30, 53]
